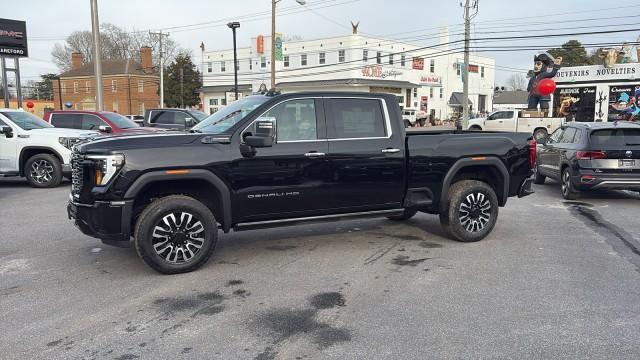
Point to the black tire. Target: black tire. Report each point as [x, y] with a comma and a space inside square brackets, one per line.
[151, 226]
[475, 128]
[538, 178]
[406, 215]
[540, 134]
[567, 188]
[43, 171]
[468, 226]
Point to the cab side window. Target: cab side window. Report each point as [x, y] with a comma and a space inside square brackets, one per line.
[295, 120]
[92, 122]
[355, 119]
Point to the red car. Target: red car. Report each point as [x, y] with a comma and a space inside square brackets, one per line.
[103, 121]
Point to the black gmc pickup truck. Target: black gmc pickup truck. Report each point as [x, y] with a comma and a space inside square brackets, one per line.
[273, 160]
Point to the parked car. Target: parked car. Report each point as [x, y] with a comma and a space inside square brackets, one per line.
[590, 156]
[32, 148]
[138, 119]
[266, 161]
[103, 121]
[413, 117]
[175, 119]
[508, 120]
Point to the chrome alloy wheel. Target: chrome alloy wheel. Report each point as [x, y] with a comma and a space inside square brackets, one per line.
[41, 171]
[178, 241]
[475, 212]
[566, 182]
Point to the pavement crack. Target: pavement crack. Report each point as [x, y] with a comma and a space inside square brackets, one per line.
[379, 254]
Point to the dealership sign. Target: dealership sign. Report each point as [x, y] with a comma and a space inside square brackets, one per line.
[431, 80]
[13, 38]
[378, 72]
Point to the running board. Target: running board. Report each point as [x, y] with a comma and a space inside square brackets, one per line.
[9, 174]
[314, 219]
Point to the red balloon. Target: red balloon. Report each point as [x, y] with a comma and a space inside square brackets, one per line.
[30, 104]
[546, 87]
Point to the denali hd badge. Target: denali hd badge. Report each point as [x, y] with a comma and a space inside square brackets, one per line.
[273, 195]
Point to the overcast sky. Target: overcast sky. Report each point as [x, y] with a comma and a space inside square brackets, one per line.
[49, 22]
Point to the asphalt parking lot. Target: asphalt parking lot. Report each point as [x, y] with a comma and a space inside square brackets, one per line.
[555, 280]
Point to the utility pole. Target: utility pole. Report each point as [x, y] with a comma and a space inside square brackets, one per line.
[182, 88]
[160, 35]
[97, 53]
[233, 26]
[463, 123]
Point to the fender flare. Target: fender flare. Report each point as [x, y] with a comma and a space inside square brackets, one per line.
[467, 162]
[194, 174]
[21, 159]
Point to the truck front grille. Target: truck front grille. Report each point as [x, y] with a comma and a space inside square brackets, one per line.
[77, 174]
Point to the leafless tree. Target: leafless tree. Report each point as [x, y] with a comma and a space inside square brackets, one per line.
[116, 42]
[517, 82]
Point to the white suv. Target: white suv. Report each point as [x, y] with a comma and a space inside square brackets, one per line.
[31, 147]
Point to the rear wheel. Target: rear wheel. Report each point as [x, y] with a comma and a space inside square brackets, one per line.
[175, 234]
[472, 211]
[568, 190]
[475, 128]
[540, 135]
[406, 215]
[43, 171]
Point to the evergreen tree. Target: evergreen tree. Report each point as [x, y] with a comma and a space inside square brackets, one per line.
[182, 70]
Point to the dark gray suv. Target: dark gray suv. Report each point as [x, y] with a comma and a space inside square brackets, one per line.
[589, 156]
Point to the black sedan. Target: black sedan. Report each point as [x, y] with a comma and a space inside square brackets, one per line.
[589, 156]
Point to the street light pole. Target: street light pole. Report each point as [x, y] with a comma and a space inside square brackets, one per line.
[97, 53]
[273, 39]
[233, 26]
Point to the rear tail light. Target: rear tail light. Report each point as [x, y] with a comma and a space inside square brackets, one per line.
[532, 152]
[591, 155]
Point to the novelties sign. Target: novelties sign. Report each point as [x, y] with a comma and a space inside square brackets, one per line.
[13, 38]
[619, 72]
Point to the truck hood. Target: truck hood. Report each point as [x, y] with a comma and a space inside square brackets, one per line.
[61, 132]
[124, 141]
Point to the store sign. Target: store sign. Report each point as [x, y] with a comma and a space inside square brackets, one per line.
[474, 68]
[598, 73]
[13, 38]
[578, 103]
[260, 44]
[418, 63]
[376, 71]
[431, 80]
[623, 102]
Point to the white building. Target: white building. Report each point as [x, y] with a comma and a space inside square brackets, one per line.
[424, 78]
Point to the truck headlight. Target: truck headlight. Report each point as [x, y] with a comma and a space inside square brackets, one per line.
[68, 142]
[106, 167]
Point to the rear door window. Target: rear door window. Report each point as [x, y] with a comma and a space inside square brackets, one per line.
[162, 117]
[615, 138]
[67, 121]
[555, 137]
[356, 119]
[568, 135]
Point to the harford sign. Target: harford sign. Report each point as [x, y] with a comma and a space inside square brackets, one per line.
[376, 71]
[13, 38]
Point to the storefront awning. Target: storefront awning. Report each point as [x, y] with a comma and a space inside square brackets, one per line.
[456, 99]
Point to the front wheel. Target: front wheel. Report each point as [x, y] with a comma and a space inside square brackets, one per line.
[472, 211]
[175, 234]
[43, 171]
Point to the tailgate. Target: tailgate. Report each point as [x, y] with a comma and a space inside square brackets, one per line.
[614, 150]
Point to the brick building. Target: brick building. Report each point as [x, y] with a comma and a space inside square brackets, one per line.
[129, 87]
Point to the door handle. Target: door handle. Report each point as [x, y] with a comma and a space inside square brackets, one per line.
[314, 154]
[390, 151]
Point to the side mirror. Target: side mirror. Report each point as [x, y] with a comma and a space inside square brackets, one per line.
[189, 123]
[7, 131]
[258, 141]
[105, 129]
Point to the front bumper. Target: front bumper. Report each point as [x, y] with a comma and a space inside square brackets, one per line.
[589, 180]
[109, 221]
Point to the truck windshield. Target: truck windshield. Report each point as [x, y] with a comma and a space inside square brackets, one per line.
[26, 121]
[120, 121]
[225, 118]
[198, 115]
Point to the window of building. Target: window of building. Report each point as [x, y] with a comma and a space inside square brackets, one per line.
[415, 92]
[365, 55]
[296, 120]
[114, 85]
[303, 60]
[441, 93]
[115, 106]
[356, 118]
[390, 59]
[213, 102]
[63, 87]
[341, 56]
[75, 87]
[432, 66]
[209, 67]
[482, 72]
[223, 66]
[140, 86]
[322, 58]
[403, 60]
[430, 93]
[458, 69]
[87, 86]
[379, 57]
[286, 60]
[223, 102]
[263, 62]
[141, 108]
[250, 64]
